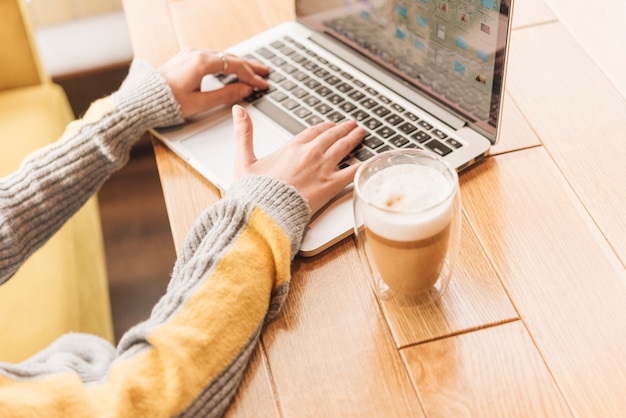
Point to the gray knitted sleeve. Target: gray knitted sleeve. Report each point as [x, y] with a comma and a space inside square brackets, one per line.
[54, 182]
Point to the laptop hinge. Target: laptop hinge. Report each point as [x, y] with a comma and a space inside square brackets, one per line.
[399, 87]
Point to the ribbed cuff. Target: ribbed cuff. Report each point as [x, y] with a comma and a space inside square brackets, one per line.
[281, 201]
[146, 99]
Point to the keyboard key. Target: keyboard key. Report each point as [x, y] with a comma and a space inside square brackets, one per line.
[360, 115]
[300, 92]
[399, 141]
[381, 111]
[356, 95]
[407, 128]
[456, 144]
[314, 120]
[371, 91]
[278, 62]
[277, 44]
[397, 108]
[383, 149]
[323, 108]
[280, 116]
[335, 99]
[265, 53]
[312, 101]
[385, 132]
[276, 77]
[344, 87]
[438, 148]
[336, 117]
[278, 96]
[373, 142]
[421, 137]
[372, 123]
[290, 104]
[439, 134]
[288, 85]
[288, 68]
[394, 119]
[312, 84]
[332, 80]
[363, 154]
[300, 76]
[411, 116]
[369, 103]
[425, 125]
[321, 73]
[323, 91]
[302, 112]
[347, 107]
[384, 99]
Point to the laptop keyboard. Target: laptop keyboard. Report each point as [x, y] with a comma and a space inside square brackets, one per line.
[305, 89]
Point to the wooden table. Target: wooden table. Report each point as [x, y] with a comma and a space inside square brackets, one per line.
[534, 322]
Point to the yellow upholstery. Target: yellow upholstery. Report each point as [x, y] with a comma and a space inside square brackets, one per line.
[63, 286]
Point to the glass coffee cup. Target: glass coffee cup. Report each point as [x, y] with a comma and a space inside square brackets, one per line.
[407, 210]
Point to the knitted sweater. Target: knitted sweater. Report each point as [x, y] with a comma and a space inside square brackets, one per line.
[231, 276]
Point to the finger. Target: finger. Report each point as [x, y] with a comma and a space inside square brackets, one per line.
[244, 150]
[248, 72]
[314, 131]
[342, 146]
[331, 136]
[231, 93]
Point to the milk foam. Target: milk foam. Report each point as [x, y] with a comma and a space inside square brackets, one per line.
[406, 202]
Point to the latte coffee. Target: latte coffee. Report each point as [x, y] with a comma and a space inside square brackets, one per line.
[407, 216]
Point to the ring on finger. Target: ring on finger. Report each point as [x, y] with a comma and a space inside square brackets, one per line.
[224, 58]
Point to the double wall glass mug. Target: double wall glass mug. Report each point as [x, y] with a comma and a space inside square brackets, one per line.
[407, 211]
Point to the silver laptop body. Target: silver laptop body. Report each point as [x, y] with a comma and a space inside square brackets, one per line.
[423, 73]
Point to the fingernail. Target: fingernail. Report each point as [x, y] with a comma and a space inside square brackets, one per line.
[238, 112]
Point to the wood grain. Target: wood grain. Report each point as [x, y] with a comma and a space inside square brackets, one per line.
[531, 12]
[582, 129]
[151, 31]
[255, 397]
[474, 299]
[604, 45]
[330, 352]
[218, 24]
[564, 279]
[495, 372]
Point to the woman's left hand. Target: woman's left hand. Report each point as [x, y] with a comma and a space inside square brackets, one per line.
[185, 70]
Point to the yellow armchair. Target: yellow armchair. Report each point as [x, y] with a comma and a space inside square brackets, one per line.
[63, 286]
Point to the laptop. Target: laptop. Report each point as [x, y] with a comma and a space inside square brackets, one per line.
[423, 74]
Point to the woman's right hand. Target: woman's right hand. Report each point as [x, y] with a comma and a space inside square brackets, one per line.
[308, 162]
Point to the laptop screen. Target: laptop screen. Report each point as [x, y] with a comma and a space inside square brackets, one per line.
[452, 50]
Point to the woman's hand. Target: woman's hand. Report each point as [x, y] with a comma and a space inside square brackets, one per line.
[185, 70]
[308, 162]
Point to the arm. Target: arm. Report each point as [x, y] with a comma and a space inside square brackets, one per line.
[53, 183]
[231, 276]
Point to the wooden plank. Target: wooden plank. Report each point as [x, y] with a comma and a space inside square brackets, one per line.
[495, 372]
[330, 352]
[218, 24]
[474, 299]
[531, 12]
[151, 31]
[562, 276]
[254, 397]
[605, 44]
[579, 117]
